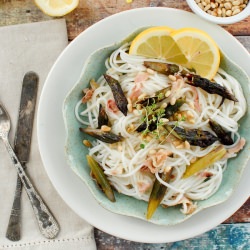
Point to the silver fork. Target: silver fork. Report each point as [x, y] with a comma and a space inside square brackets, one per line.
[46, 222]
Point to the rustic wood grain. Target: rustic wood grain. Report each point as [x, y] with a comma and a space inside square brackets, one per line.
[223, 237]
[242, 215]
[226, 236]
[89, 12]
[245, 41]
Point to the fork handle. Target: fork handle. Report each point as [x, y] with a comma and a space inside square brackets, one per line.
[46, 221]
[13, 232]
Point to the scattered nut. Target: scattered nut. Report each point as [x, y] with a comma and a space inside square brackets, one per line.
[105, 128]
[222, 8]
[172, 77]
[130, 108]
[87, 143]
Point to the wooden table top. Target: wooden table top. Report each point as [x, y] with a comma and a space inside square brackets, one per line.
[234, 233]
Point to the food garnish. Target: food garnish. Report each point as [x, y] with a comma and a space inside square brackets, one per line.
[120, 99]
[153, 117]
[163, 68]
[200, 49]
[192, 79]
[196, 137]
[57, 8]
[156, 42]
[157, 97]
[100, 177]
[101, 135]
[102, 117]
[157, 193]
[223, 136]
[171, 93]
[205, 161]
[224, 8]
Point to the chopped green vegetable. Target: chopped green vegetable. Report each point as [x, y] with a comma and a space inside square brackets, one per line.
[195, 137]
[107, 137]
[157, 193]
[205, 161]
[224, 137]
[100, 178]
[119, 96]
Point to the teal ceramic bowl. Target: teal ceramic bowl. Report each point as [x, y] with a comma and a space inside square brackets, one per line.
[75, 151]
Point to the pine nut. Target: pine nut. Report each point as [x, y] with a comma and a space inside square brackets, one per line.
[234, 8]
[164, 120]
[164, 105]
[207, 7]
[213, 5]
[130, 108]
[237, 2]
[187, 145]
[191, 105]
[173, 100]
[228, 13]
[180, 146]
[149, 138]
[172, 78]
[142, 96]
[223, 12]
[192, 121]
[87, 143]
[222, 8]
[168, 93]
[132, 126]
[235, 12]
[177, 143]
[136, 112]
[190, 114]
[105, 128]
[200, 5]
[193, 160]
[228, 5]
[150, 71]
[179, 116]
[219, 12]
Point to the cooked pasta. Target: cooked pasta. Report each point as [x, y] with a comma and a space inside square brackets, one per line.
[133, 164]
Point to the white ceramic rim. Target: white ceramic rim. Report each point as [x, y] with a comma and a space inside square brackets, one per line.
[219, 20]
[51, 134]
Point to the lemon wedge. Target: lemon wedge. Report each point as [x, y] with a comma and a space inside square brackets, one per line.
[200, 49]
[56, 7]
[156, 42]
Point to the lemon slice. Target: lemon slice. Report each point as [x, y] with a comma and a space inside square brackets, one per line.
[156, 42]
[57, 7]
[200, 49]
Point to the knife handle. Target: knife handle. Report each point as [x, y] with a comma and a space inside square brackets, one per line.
[13, 232]
[46, 221]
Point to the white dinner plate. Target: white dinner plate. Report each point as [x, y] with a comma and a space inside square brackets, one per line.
[51, 133]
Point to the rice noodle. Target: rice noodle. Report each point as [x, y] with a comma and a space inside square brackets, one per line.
[123, 161]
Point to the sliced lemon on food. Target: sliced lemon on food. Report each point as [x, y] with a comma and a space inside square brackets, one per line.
[57, 7]
[156, 42]
[200, 49]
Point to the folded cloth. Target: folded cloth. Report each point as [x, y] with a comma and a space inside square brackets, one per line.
[33, 47]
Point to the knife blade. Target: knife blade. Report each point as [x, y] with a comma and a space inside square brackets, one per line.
[22, 146]
[26, 116]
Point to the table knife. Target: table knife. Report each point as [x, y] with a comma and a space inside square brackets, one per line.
[22, 146]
